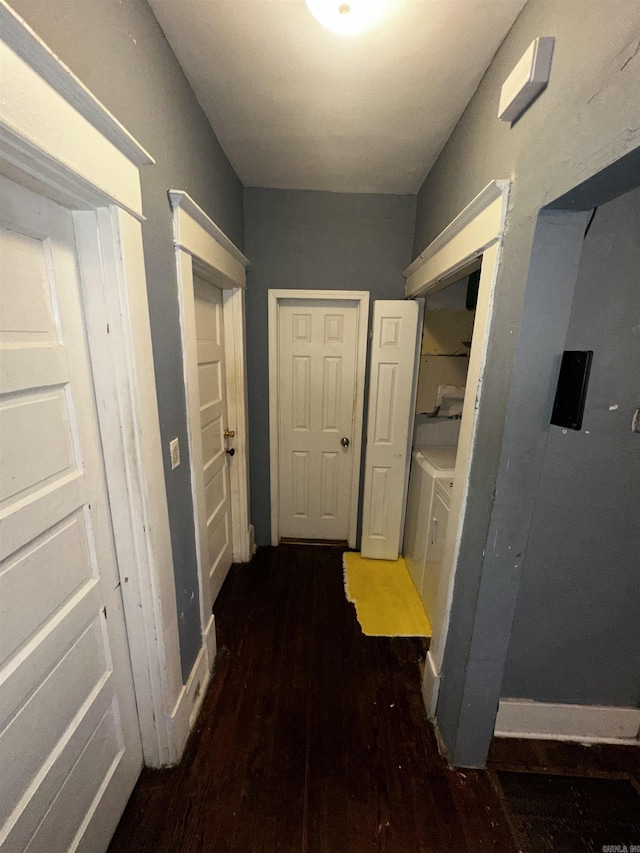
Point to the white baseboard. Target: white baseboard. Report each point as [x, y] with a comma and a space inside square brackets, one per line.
[525, 718]
[210, 641]
[248, 548]
[430, 686]
[187, 708]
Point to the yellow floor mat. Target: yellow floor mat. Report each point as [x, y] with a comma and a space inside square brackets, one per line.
[387, 602]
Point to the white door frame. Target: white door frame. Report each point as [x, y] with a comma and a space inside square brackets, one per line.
[203, 249]
[275, 297]
[477, 231]
[59, 141]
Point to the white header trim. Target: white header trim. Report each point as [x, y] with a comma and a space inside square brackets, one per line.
[494, 190]
[19, 36]
[181, 199]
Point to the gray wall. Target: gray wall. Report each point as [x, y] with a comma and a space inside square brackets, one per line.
[575, 636]
[587, 119]
[587, 116]
[312, 241]
[118, 50]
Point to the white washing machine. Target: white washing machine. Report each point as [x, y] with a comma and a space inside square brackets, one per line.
[430, 487]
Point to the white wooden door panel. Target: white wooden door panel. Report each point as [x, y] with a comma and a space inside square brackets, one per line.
[317, 351]
[394, 351]
[32, 516]
[213, 481]
[69, 740]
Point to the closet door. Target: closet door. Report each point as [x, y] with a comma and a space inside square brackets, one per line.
[395, 349]
[317, 367]
[212, 480]
[70, 748]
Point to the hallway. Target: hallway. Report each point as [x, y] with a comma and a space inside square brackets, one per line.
[313, 737]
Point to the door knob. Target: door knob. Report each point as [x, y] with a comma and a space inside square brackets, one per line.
[229, 433]
[344, 442]
[231, 451]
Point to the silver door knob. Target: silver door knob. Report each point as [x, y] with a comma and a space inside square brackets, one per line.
[344, 442]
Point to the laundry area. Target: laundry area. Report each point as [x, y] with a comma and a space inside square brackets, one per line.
[449, 316]
[405, 561]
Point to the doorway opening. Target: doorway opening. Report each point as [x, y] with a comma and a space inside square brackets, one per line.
[447, 336]
[471, 243]
[577, 680]
[211, 274]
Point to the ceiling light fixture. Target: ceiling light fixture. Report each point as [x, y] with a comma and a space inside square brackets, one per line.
[350, 17]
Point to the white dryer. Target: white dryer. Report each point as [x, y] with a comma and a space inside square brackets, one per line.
[430, 487]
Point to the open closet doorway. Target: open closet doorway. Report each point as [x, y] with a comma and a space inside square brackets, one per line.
[470, 243]
[449, 316]
[317, 355]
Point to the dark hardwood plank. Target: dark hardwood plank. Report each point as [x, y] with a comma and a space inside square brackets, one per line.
[561, 813]
[565, 758]
[313, 738]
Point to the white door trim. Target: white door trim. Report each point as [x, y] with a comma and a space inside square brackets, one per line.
[199, 235]
[476, 231]
[201, 247]
[362, 298]
[61, 115]
[466, 237]
[58, 140]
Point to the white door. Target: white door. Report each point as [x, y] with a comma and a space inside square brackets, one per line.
[70, 749]
[317, 352]
[395, 348]
[213, 484]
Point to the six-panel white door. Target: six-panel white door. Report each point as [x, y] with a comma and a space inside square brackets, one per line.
[392, 388]
[69, 740]
[317, 341]
[213, 484]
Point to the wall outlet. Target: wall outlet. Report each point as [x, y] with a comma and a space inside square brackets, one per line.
[174, 452]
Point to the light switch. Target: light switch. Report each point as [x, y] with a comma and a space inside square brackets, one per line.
[174, 451]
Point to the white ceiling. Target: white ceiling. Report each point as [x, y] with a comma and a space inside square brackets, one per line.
[297, 107]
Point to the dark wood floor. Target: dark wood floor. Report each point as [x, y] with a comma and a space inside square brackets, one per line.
[313, 737]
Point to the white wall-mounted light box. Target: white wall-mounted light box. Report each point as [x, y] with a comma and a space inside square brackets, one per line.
[527, 79]
[174, 453]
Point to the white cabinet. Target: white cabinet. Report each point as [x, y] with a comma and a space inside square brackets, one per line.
[438, 519]
[418, 512]
[430, 487]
